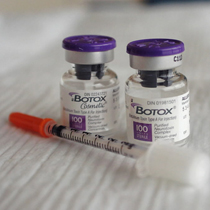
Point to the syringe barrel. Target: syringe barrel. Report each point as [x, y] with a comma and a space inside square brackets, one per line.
[108, 144]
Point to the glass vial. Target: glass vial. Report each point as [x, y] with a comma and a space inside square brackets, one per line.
[90, 90]
[157, 95]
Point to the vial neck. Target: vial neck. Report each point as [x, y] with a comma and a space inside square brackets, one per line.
[152, 79]
[85, 72]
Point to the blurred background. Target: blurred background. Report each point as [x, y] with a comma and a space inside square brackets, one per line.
[40, 5]
[32, 6]
[55, 175]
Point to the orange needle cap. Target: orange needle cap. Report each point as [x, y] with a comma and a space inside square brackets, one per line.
[31, 123]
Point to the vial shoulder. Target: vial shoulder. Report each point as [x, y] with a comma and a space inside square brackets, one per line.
[108, 80]
[178, 85]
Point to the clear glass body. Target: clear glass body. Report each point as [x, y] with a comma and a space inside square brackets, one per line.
[178, 86]
[70, 80]
[108, 79]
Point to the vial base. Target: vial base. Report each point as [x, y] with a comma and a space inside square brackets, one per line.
[181, 143]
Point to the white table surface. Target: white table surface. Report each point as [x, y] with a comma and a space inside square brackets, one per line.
[36, 173]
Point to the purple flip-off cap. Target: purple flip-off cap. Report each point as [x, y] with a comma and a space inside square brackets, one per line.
[155, 47]
[89, 43]
[89, 49]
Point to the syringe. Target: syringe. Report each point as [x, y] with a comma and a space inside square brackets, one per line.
[160, 160]
[48, 127]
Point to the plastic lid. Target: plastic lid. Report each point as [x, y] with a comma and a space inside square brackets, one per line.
[89, 43]
[155, 47]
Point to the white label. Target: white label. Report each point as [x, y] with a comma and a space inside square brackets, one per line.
[94, 111]
[164, 119]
